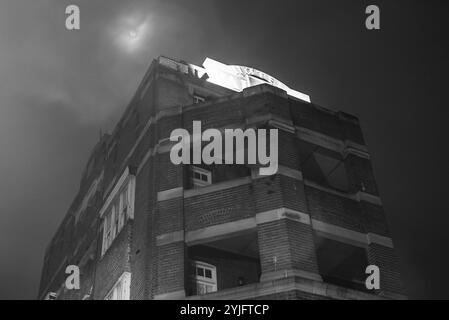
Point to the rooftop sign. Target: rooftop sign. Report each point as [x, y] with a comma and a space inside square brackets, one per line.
[238, 78]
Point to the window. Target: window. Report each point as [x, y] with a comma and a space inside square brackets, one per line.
[106, 233]
[120, 210]
[120, 291]
[198, 99]
[205, 277]
[123, 208]
[201, 177]
[334, 171]
[323, 168]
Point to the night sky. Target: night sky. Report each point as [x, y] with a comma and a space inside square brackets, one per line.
[58, 88]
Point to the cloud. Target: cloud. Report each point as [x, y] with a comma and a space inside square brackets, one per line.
[57, 89]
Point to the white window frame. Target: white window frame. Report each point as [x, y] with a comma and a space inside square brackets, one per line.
[121, 289]
[203, 281]
[203, 173]
[114, 213]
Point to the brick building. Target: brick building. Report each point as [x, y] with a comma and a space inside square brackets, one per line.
[141, 227]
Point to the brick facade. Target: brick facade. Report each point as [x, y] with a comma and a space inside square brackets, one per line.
[257, 228]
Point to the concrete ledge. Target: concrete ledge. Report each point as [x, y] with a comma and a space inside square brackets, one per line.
[351, 147]
[145, 159]
[229, 229]
[393, 295]
[170, 194]
[171, 237]
[356, 152]
[359, 196]
[165, 146]
[329, 190]
[350, 236]
[289, 284]
[289, 172]
[320, 139]
[175, 295]
[282, 213]
[344, 147]
[275, 275]
[380, 240]
[168, 112]
[363, 196]
[217, 232]
[339, 233]
[217, 187]
[282, 125]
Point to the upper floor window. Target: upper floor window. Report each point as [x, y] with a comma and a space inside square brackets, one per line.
[121, 289]
[120, 209]
[205, 277]
[334, 171]
[323, 168]
[198, 99]
[201, 177]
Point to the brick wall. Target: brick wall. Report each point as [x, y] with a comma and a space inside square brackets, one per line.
[387, 261]
[142, 245]
[218, 207]
[114, 262]
[161, 269]
[286, 244]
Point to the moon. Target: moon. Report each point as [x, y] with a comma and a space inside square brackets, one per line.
[132, 32]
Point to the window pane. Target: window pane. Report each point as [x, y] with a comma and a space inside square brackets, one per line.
[327, 164]
[201, 288]
[107, 225]
[334, 172]
[208, 273]
[111, 218]
[121, 220]
[338, 178]
[200, 272]
[125, 197]
[113, 229]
